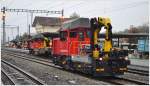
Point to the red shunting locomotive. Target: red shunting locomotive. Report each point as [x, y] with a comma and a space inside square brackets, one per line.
[77, 48]
[41, 43]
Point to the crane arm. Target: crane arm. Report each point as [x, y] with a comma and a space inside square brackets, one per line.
[96, 25]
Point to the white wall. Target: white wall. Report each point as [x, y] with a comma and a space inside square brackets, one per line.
[41, 29]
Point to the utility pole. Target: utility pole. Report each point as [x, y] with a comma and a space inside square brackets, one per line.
[62, 12]
[8, 38]
[18, 30]
[31, 18]
[30, 25]
[4, 33]
[12, 32]
[61, 18]
[29, 31]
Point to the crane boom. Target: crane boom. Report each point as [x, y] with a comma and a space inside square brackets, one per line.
[96, 26]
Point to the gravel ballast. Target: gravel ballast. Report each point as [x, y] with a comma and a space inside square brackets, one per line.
[51, 76]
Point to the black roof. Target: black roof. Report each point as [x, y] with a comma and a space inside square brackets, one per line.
[45, 34]
[76, 23]
[126, 35]
[48, 21]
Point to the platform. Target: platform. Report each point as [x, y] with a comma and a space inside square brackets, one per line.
[19, 50]
[141, 62]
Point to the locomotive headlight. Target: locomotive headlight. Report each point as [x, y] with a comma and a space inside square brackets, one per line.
[72, 56]
[126, 58]
[100, 59]
[121, 57]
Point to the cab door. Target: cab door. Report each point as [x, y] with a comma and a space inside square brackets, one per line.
[64, 43]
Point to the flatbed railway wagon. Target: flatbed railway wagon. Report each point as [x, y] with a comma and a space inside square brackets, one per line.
[77, 48]
[41, 43]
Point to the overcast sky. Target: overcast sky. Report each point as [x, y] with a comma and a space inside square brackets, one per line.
[122, 13]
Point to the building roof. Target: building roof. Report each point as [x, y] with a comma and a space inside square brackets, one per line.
[45, 34]
[48, 21]
[76, 23]
[126, 35]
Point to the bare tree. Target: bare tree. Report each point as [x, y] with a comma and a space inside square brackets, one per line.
[74, 15]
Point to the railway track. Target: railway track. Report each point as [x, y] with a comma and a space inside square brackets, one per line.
[114, 80]
[26, 75]
[137, 69]
[140, 72]
[130, 69]
[26, 55]
[139, 66]
[7, 78]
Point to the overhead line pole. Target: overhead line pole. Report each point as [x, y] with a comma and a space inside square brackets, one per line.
[28, 11]
[3, 18]
[12, 27]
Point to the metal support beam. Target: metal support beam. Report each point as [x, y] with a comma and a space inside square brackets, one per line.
[27, 11]
[118, 41]
[29, 30]
[62, 12]
[32, 11]
[4, 33]
[18, 30]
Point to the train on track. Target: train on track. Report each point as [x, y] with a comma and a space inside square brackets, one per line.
[41, 43]
[77, 48]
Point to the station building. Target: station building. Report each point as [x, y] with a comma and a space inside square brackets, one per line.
[48, 24]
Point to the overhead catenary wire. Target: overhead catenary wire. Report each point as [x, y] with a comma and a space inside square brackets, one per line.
[10, 3]
[75, 5]
[127, 6]
[130, 6]
[4, 9]
[55, 5]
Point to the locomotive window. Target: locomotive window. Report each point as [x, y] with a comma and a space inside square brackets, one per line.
[50, 38]
[81, 36]
[88, 34]
[63, 35]
[73, 34]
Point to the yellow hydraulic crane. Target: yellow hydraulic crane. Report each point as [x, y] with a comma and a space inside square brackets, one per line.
[96, 25]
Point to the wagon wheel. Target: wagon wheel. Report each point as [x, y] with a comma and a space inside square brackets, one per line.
[66, 66]
[30, 52]
[36, 52]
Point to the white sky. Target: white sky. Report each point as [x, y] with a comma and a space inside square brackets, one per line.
[122, 13]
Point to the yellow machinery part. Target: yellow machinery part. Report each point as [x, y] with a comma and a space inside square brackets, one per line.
[106, 21]
[107, 46]
[44, 43]
[99, 69]
[95, 54]
[45, 40]
[96, 32]
[106, 58]
[103, 22]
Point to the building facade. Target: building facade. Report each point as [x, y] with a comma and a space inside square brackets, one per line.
[48, 24]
